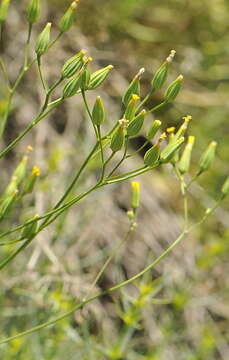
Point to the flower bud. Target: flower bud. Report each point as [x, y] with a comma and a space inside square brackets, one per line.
[152, 155]
[4, 7]
[85, 79]
[117, 139]
[98, 77]
[33, 11]
[184, 163]
[173, 89]
[72, 86]
[161, 74]
[20, 170]
[207, 157]
[225, 187]
[135, 125]
[31, 180]
[183, 128]
[8, 204]
[42, 43]
[153, 129]
[169, 151]
[98, 112]
[68, 18]
[131, 107]
[133, 88]
[73, 65]
[29, 230]
[135, 198]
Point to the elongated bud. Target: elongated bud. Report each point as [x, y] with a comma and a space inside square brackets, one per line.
[170, 132]
[20, 171]
[131, 107]
[185, 160]
[42, 43]
[153, 129]
[133, 88]
[161, 74]
[169, 151]
[98, 112]
[98, 77]
[31, 181]
[173, 89]
[117, 139]
[183, 128]
[8, 204]
[4, 7]
[68, 18]
[153, 154]
[85, 79]
[135, 198]
[33, 11]
[207, 157]
[72, 86]
[134, 127]
[225, 187]
[29, 231]
[73, 65]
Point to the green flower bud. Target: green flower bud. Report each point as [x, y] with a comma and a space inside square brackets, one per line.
[161, 74]
[185, 160]
[67, 20]
[136, 124]
[85, 79]
[173, 89]
[183, 128]
[152, 155]
[225, 187]
[98, 112]
[135, 198]
[31, 180]
[20, 170]
[73, 65]
[98, 77]
[153, 129]
[133, 88]
[29, 230]
[207, 157]
[8, 204]
[33, 11]
[131, 107]
[117, 139]
[72, 86]
[42, 43]
[4, 7]
[169, 151]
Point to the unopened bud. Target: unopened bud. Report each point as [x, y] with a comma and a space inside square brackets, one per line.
[33, 11]
[169, 151]
[161, 74]
[133, 88]
[98, 77]
[73, 65]
[134, 127]
[173, 89]
[68, 18]
[98, 112]
[152, 155]
[131, 107]
[185, 160]
[31, 180]
[154, 129]
[29, 230]
[117, 139]
[42, 43]
[207, 157]
[72, 86]
[135, 198]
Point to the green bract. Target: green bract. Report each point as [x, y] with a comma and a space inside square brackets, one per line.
[42, 43]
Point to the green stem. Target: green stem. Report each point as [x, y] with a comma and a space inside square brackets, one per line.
[122, 159]
[140, 149]
[157, 107]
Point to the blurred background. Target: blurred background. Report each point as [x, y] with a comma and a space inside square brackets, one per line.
[57, 269]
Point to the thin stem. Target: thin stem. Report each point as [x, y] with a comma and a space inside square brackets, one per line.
[157, 107]
[140, 149]
[101, 151]
[43, 82]
[122, 159]
[89, 112]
